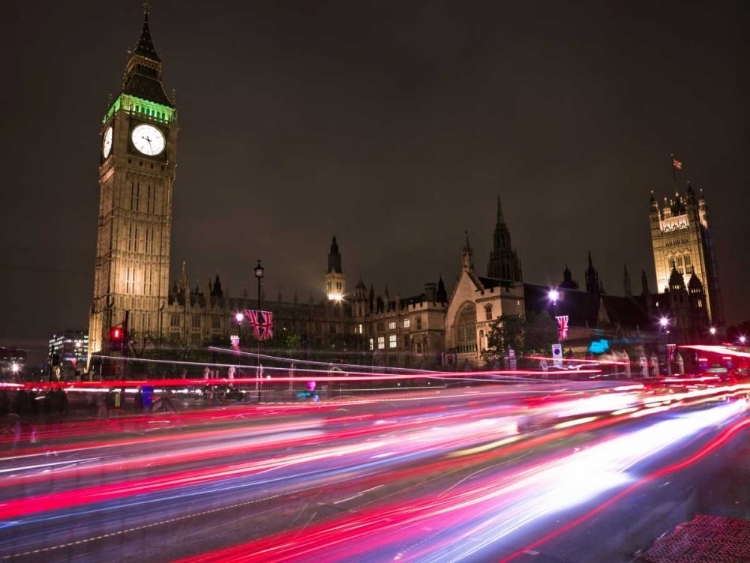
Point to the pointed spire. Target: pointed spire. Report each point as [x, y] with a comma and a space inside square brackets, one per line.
[591, 264]
[442, 295]
[145, 46]
[467, 255]
[626, 282]
[334, 258]
[644, 283]
[183, 277]
[296, 298]
[500, 218]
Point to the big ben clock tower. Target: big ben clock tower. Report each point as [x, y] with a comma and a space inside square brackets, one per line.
[138, 159]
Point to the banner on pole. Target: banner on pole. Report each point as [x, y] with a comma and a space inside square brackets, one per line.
[261, 322]
[562, 327]
[670, 351]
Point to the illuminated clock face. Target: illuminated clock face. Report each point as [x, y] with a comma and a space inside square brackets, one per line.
[148, 140]
[107, 142]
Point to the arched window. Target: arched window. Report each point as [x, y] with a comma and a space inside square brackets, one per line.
[488, 312]
[466, 328]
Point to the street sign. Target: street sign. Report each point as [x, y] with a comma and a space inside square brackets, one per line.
[557, 355]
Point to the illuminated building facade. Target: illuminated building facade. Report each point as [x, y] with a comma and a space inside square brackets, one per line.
[136, 177]
[682, 246]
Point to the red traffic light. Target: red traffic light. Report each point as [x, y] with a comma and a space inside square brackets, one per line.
[116, 338]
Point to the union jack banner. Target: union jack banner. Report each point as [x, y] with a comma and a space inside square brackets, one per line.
[266, 325]
[671, 350]
[562, 327]
[252, 317]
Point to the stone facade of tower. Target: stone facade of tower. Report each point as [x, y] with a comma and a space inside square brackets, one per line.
[136, 174]
[681, 241]
[503, 263]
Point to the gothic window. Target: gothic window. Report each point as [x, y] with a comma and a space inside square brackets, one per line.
[129, 279]
[332, 328]
[392, 342]
[466, 328]
[392, 325]
[196, 322]
[406, 341]
[488, 312]
[380, 326]
[419, 347]
[174, 320]
[318, 328]
[135, 195]
[381, 342]
[372, 344]
[406, 323]
[481, 340]
[419, 323]
[216, 323]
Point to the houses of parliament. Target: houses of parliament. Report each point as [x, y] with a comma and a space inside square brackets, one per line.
[131, 273]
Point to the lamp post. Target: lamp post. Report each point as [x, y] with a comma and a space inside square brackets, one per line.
[239, 317]
[259, 276]
[664, 324]
[553, 296]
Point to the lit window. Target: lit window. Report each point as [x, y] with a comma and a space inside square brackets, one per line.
[392, 325]
[372, 344]
[407, 323]
[392, 343]
[174, 320]
[381, 342]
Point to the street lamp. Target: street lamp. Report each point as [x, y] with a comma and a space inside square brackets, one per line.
[553, 296]
[712, 330]
[259, 275]
[742, 339]
[664, 324]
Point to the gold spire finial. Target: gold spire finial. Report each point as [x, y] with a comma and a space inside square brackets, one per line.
[146, 7]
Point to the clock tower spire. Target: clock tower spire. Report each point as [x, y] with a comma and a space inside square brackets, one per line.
[137, 170]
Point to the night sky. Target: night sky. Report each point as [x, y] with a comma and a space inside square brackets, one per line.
[392, 124]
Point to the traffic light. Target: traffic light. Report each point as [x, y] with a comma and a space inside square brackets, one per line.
[116, 338]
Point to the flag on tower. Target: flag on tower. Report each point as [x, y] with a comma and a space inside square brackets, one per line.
[676, 163]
